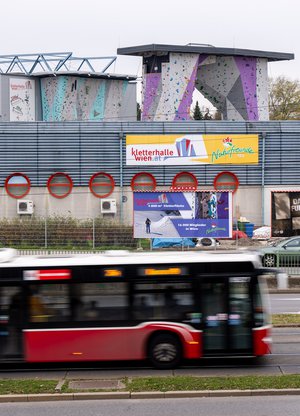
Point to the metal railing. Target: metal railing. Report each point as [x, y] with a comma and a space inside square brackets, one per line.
[288, 262]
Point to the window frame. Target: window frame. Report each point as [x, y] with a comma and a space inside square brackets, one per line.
[234, 182]
[14, 185]
[184, 186]
[112, 183]
[152, 178]
[69, 185]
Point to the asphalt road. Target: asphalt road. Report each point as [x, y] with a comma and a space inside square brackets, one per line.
[216, 406]
[285, 303]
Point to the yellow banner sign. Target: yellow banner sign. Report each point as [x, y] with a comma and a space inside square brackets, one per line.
[191, 149]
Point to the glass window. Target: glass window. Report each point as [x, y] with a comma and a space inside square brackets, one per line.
[214, 305]
[60, 185]
[101, 185]
[49, 303]
[226, 181]
[293, 243]
[17, 185]
[240, 319]
[99, 301]
[143, 181]
[11, 321]
[184, 181]
[163, 301]
[261, 308]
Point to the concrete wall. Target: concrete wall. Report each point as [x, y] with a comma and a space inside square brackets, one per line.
[81, 203]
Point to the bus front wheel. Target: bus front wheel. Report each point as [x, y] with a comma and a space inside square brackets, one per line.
[165, 351]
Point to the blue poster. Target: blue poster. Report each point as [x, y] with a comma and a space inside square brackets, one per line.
[182, 214]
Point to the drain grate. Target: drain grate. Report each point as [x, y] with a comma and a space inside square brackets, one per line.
[96, 384]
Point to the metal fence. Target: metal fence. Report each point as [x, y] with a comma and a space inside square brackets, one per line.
[69, 233]
[287, 261]
[66, 233]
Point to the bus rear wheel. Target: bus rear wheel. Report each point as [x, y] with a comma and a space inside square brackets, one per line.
[165, 351]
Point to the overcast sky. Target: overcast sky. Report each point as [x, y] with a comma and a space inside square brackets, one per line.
[99, 27]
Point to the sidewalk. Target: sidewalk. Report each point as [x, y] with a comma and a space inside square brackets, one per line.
[110, 383]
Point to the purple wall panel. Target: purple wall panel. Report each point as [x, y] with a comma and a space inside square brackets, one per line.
[247, 69]
[152, 82]
[183, 112]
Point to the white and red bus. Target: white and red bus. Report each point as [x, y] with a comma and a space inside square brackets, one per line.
[164, 307]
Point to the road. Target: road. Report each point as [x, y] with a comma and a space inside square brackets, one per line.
[217, 406]
[285, 359]
[285, 303]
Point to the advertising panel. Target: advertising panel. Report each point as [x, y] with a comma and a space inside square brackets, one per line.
[22, 99]
[191, 149]
[182, 214]
[285, 213]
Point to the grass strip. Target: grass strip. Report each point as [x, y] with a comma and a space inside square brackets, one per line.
[177, 383]
[282, 319]
[27, 386]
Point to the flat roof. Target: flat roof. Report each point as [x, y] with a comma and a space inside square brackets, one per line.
[84, 74]
[157, 49]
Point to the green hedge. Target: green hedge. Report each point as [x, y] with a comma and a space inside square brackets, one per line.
[65, 232]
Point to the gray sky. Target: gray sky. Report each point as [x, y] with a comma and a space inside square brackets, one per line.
[98, 28]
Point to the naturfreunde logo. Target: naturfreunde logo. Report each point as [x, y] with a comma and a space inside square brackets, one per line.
[230, 149]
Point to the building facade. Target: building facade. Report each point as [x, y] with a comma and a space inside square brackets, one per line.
[81, 168]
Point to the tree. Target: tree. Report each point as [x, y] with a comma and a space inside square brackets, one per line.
[197, 115]
[284, 99]
[218, 115]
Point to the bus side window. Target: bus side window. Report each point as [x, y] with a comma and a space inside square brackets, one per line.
[99, 301]
[48, 303]
[261, 311]
[161, 301]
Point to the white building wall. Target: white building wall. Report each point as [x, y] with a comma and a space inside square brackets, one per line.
[82, 204]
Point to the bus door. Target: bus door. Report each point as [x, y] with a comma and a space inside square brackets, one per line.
[227, 319]
[11, 321]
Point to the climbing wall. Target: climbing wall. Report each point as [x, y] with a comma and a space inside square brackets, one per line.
[68, 98]
[235, 85]
[168, 94]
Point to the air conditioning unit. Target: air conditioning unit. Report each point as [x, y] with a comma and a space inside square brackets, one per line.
[24, 206]
[108, 206]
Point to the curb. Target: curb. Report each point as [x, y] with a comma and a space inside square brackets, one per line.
[144, 395]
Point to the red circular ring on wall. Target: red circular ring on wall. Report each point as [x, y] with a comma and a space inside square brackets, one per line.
[109, 183]
[234, 183]
[10, 186]
[67, 184]
[152, 181]
[180, 186]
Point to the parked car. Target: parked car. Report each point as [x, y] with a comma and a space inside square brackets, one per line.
[285, 252]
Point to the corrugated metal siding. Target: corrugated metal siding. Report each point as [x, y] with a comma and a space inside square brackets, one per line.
[83, 148]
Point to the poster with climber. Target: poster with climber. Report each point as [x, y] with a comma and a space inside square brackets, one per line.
[182, 214]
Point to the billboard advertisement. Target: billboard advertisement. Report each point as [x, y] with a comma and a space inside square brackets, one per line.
[182, 214]
[191, 149]
[22, 99]
[285, 213]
